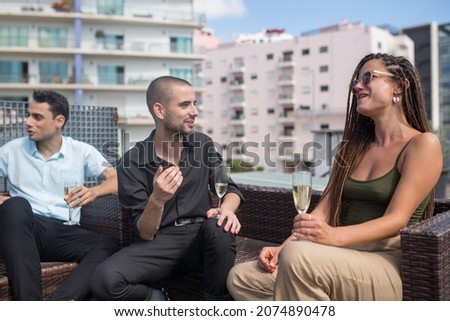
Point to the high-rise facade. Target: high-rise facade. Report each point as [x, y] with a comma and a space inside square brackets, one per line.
[273, 102]
[101, 53]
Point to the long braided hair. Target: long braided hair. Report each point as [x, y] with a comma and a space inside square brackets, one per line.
[359, 130]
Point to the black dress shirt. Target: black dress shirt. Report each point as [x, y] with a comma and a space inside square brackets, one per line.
[138, 166]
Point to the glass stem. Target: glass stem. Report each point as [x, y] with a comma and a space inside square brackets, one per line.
[220, 201]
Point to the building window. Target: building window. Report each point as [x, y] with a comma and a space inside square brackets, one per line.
[208, 65]
[13, 36]
[113, 7]
[112, 41]
[271, 129]
[253, 94]
[305, 90]
[269, 56]
[180, 45]
[287, 55]
[445, 68]
[52, 72]
[270, 74]
[324, 88]
[113, 75]
[254, 111]
[305, 52]
[323, 49]
[238, 63]
[324, 107]
[323, 68]
[223, 79]
[52, 37]
[271, 111]
[324, 126]
[271, 93]
[288, 131]
[253, 76]
[185, 74]
[13, 72]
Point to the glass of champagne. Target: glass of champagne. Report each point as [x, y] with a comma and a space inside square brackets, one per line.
[68, 188]
[221, 177]
[301, 190]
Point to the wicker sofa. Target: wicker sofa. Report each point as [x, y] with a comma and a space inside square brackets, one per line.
[266, 219]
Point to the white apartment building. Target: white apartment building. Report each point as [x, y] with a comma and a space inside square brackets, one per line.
[98, 53]
[269, 99]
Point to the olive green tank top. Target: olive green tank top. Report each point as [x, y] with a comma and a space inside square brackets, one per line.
[369, 199]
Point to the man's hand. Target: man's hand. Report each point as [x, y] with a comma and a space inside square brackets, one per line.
[80, 195]
[268, 258]
[166, 182]
[232, 225]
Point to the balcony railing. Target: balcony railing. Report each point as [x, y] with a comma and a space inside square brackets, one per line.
[92, 8]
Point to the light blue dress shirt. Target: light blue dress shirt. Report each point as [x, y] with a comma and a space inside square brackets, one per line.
[41, 181]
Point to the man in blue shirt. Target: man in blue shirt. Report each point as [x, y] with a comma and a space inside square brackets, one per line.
[32, 217]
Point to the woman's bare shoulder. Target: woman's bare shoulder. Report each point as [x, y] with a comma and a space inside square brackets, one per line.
[425, 145]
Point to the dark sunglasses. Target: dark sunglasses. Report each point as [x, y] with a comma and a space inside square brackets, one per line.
[367, 77]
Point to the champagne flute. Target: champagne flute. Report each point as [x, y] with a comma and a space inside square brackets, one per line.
[69, 187]
[301, 190]
[221, 177]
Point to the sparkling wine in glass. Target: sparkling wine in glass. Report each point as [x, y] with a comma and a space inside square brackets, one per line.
[221, 177]
[69, 187]
[301, 190]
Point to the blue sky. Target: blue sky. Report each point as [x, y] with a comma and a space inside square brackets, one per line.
[229, 18]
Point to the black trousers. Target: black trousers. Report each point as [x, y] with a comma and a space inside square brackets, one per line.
[26, 239]
[202, 247]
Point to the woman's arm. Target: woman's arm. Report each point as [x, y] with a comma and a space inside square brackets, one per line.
[420, 168]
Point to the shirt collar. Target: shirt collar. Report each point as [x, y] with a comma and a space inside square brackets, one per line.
[147, 153]
[32, 149]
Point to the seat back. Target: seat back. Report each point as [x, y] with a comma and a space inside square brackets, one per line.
[96, 126]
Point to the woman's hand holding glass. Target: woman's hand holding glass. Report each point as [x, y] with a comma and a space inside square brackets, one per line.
[301, 192]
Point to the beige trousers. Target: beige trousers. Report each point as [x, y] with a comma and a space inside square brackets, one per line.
[309, 271]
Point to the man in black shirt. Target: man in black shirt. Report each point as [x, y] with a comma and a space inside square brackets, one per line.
[165, 181]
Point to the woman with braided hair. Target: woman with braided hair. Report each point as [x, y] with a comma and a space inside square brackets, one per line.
[385, 170]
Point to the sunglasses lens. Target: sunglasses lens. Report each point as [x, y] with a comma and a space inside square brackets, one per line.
[366, 77]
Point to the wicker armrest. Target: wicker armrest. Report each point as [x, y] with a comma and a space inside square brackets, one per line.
[426, 259]
[105, 216]
[268, 212]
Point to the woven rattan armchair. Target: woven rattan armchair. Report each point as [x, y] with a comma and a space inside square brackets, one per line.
[102, 216]
[266, 219]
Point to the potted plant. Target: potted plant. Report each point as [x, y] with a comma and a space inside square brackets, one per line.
[99, 34]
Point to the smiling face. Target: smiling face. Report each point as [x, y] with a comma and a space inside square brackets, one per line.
[376, 95]
[180, 113]
[41, 123]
